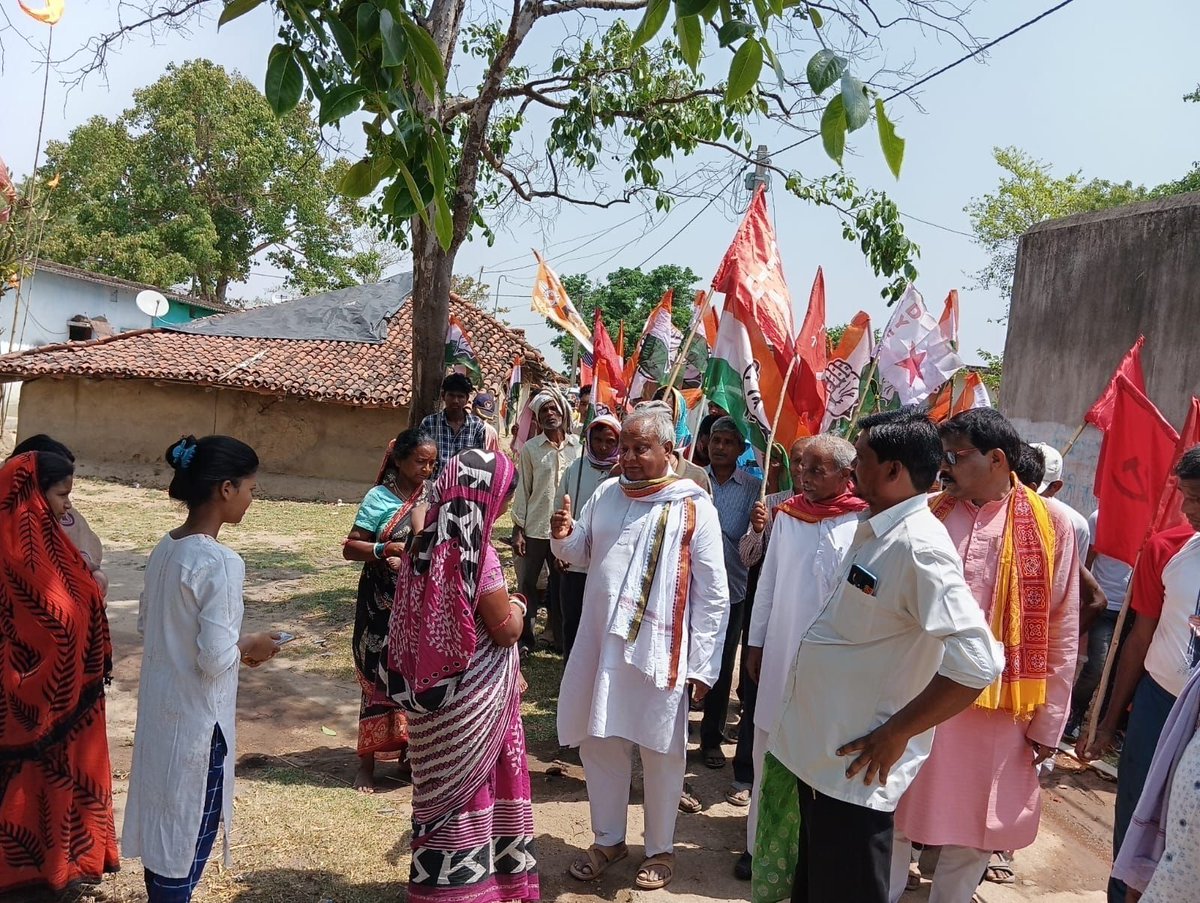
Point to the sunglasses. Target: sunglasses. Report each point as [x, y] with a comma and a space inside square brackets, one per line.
[953, 456]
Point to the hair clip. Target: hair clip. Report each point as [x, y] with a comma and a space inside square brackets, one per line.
[182, 455]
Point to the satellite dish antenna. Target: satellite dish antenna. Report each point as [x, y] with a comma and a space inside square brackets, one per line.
[152, 304]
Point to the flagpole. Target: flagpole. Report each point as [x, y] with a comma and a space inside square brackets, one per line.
[697, 320]
[1070, 445]
[1109, 659]
[787, 377]
[864, 387]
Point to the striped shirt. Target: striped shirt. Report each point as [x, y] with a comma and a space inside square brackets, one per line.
[734, 498]
[450, 442]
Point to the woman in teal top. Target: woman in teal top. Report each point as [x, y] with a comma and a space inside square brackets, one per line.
[382, 527]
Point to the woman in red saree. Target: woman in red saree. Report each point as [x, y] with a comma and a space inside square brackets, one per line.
[56, 817]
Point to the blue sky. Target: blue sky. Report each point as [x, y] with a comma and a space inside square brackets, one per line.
[1097, 86]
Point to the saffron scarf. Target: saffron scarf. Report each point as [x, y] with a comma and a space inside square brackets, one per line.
[1021, 604]
[651, 604]
[431, 636]
[814, 512]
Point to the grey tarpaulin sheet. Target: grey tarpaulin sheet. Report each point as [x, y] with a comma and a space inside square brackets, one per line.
[356, 314]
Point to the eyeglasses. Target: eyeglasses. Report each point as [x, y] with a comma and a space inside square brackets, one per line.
[952, 456]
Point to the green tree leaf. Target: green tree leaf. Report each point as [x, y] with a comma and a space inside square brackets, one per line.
[824, 69]
[236, 8]
[343, 37]
[340, 102]
[892, 144]
[814, 16]
[414, 192]
[833, 128]
[443, 221]
[285, 80]
[426, 49]
[691, 7]
[774, 61]
[691, 38]
[734, 30]
[361, 178]
[395, 44]
[652, 21]
[762, 9]
[854, 97]
[744, 70]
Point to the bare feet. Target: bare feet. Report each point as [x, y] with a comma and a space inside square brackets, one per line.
[364, 781]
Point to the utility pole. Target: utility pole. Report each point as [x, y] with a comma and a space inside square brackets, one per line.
[760, 176]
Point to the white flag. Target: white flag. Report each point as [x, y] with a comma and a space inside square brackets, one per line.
[916, 356]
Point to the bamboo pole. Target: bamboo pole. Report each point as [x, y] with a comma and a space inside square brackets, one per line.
[1109, 659]
[1070, 445]
[787, 378]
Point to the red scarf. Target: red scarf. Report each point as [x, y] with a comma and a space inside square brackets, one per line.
[814, 512]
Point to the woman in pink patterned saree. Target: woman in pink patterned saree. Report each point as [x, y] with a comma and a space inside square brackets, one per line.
[451, 664]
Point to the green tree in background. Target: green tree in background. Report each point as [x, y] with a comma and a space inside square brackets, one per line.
[194, 182]
[629, 295]
[1029, 193]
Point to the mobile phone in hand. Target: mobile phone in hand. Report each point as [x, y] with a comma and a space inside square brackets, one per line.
[284, 638]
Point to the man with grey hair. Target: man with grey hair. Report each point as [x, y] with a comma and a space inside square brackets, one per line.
[654, 609]
[811, 533]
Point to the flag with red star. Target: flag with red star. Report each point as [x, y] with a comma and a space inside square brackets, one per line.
[918, 353]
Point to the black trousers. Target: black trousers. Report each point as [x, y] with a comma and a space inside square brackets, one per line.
[747, 691]
[716, 703]
[537, 555]
[845, 851]
[570, 597]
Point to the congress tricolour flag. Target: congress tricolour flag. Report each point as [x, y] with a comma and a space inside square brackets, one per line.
[460, 356]
[512, 397]
[756, 335]
[962, 392]
[651, 359]
[917, 354]
[550, 299]
[845, 371]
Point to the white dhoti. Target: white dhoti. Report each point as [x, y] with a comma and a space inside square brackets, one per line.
[955, 879]
[761, 740]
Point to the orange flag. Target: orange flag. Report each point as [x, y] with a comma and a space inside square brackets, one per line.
[50, 14]
[609, 383]
[550, 299]
[812, 347]
[621, 342]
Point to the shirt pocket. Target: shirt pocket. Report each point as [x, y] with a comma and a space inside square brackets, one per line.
[859, 618]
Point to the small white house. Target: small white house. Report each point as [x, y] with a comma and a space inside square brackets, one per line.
[59, 303]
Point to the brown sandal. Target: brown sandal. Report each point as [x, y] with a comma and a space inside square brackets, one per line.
[663, 864]
[595, 861]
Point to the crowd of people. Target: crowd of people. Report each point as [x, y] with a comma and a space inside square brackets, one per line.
[911, 622]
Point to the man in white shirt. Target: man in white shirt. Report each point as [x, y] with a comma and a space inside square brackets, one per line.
[899, 647]
[540, 467]
[812, 532]
[654, 610]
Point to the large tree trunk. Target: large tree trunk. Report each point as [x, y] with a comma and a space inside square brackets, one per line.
[432, 269]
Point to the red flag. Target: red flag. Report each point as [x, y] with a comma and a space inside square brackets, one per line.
[1135, 460]
[1170, 506]
[609, 387]
[1101, 413]
[812, 347]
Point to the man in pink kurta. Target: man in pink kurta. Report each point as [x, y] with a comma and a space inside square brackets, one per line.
[979, 791]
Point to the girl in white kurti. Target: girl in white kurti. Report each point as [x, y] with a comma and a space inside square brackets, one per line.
[625, 686]
[190, 619]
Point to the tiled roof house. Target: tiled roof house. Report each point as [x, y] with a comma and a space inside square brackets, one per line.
[318, 386]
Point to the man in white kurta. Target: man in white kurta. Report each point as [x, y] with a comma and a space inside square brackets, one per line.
[810, 536]
[622, 691]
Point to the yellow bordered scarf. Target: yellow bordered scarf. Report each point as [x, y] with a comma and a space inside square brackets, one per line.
[1021, 605]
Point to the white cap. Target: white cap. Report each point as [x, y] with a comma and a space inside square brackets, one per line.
[1054, 464]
